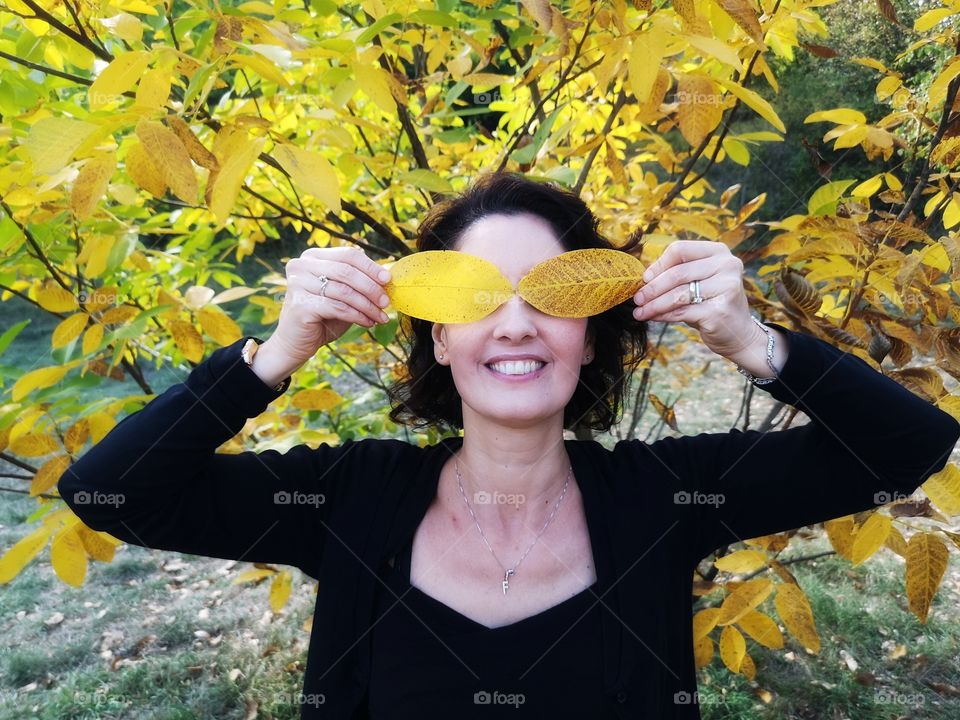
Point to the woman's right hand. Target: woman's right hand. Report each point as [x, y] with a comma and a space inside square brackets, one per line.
[309, 320]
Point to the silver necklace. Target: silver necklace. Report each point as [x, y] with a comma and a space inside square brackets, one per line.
[507, 572]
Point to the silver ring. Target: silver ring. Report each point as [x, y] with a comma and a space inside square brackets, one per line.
[323, 284]
[695, 292]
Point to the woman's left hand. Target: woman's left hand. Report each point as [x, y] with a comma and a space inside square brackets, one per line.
[723, 318]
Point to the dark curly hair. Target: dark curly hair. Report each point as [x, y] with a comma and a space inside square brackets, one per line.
[427, 396]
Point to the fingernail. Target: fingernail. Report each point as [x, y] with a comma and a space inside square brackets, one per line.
[384, 301]
[383, 316]
[384, 275]
[647, 276]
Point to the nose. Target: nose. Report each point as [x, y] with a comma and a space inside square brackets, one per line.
[515, 320]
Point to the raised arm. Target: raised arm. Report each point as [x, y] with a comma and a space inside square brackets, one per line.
[869, 440]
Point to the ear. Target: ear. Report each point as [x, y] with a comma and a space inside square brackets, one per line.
[588, 344]
[438, 335]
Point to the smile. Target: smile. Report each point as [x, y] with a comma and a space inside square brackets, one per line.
[522, 370]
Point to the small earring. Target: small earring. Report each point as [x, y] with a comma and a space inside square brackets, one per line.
[441, 356]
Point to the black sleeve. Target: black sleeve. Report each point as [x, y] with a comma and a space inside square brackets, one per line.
[869, 441]
[156, 481]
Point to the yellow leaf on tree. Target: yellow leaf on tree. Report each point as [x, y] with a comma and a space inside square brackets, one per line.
[91, 184]
[187, 340]
[840, 534]
[68, 330]
[99, 545]
[38, 380]
[704, 621]
[316, 399]
[761, 628]
[22, 552]
[373, 82]
[76, 435]
[732, 648]
[943, 488]
[702, 652]
[280, 590]
[117, 78]
[34, 445]
[236, 153]
[580, 283]
[794, 609]
[54, 298]
[312, 172]
[744, 599]
[143, 172]
[927, 559]
[218, 325]
[100, 424]
[742, 561]
[646, 54]
[843, 116]
[446, 286]
[154, 88]
[168, 154]
[92, 339]
[756, 103]
[68, 556]
[53, 141]
[700, 109]
[870, 537]
[253, 574]
[48, 474]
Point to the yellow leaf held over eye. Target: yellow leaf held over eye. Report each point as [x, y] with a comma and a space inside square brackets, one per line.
[446, 286]
[580, 283]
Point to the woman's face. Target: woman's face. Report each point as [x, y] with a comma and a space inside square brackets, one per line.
[514, 243]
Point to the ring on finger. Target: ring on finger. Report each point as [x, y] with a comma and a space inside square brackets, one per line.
[695, 297]
[323, 284]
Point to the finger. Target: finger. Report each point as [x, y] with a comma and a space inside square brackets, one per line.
[324, 308]
[346, 295]
[678, 275]
[352, 277]
[353, 256]
[679, 299]
[681, 251]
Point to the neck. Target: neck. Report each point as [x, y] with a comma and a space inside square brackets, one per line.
[512, 481]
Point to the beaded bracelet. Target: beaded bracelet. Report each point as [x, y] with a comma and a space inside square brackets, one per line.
[776, 373]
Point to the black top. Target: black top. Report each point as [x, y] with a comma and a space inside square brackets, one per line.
[430, 661]
[653, 509]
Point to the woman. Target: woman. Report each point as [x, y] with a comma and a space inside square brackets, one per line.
[508, 570]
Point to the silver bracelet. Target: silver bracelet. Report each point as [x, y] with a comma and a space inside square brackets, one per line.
[776, 373]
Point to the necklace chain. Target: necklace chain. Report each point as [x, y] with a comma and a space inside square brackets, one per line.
[507, 572]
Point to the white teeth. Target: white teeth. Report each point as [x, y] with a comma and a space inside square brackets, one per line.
[517, 367]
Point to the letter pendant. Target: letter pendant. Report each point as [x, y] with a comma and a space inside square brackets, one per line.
[506, 580]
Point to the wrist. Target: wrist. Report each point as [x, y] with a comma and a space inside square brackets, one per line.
[753, 357]
[272, 365]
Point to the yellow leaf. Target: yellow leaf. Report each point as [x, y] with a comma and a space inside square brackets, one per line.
[870, 537]
[137, 6]
[143, 172]
[702, 652]
[700, 109]
[54, 298]
[253, 574]
[22, 552]
[68, 330]
[931, 18]
[446, 286]
[218, 325]
[38, 380]
[48, 474]
[887, 86]
[745, 15]
[704, 621]
[744, 599]
[237, 153]
[53, 141]
[118, 77]
[732, 648]
[742, 561]
[201, 156]
[843, 116]
[125, 26]
[715, 48]
[756, 103]
[312, 172]
[187, 340]
[316, 399]
[33, 445]
[646, 54]
[76, 435]
[99, 546]
[154, 88]
[747, 667]
[927, 558]
[794, 609]
[373, 82]
[92, 339]
[100, 424]
[280, 590]
[938, 88]
[868, 187]
[170, 157]
[91, 184]
[579, 283]
[761, 628]
[262, 67]
[943, 488]
[68, 557]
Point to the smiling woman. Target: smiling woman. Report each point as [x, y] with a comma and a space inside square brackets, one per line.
[505, 566]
